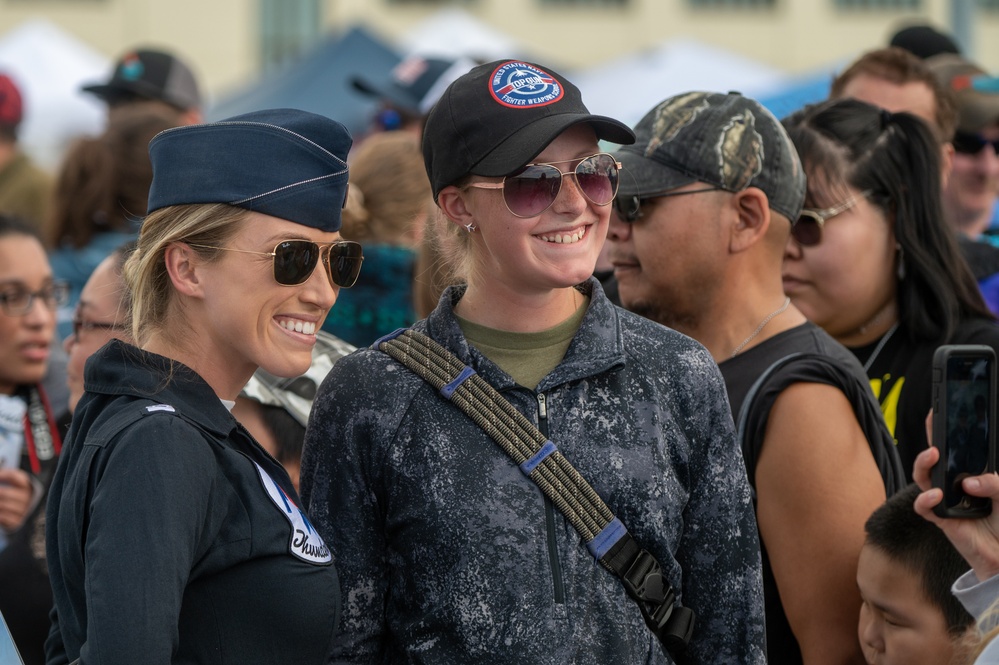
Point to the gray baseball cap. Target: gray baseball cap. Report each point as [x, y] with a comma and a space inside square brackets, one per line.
[721, 139]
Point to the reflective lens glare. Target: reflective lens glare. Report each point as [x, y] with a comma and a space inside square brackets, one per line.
[533, 189]
[968, 143]
[294, 260]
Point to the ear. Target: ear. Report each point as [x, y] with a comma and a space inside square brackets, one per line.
[454, 206]
[182, 264]
[752, 212]
[946, 163]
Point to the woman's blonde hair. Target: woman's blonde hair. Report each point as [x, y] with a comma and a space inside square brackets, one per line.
[145, 271]
[988, 630]
[389, 191]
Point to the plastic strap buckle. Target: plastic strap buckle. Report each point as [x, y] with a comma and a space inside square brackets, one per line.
[673, 625]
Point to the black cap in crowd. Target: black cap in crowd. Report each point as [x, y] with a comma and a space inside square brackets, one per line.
[500, 116]
[924, 41]
[150, 74]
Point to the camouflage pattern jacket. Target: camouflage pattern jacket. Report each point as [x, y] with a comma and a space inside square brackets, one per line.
[448, 554]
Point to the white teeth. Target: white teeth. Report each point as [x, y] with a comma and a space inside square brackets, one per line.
[304, 327]
[564, 238]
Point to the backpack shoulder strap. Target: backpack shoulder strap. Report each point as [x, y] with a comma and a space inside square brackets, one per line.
[606, 538]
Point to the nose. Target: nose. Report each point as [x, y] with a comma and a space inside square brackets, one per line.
[67, 344]
[869, 630]
[792, 249]
[570, 197]
[38, 313]
[987, 160]
[320, 290]
[619, 230]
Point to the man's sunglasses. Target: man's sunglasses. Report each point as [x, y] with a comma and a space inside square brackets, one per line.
[295, 260]
[533, 189]
[807, 230]
[629, 208]
[968, 143]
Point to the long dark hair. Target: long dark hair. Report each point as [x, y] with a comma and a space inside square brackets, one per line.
[895, 157]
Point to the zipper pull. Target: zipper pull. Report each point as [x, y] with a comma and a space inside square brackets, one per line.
[542, 407]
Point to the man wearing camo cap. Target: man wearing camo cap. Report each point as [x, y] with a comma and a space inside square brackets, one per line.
[702, 221]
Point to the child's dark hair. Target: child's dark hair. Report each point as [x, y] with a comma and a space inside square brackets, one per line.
[896, 530]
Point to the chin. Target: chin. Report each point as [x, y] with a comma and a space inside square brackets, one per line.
[288, 367]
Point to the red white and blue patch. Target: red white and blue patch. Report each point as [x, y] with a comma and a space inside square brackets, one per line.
[520, 85]
[306, 543]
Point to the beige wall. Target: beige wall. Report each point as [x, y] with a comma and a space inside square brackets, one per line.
[219, 37]
[797, 36]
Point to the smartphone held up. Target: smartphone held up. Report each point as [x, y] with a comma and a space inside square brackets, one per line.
[964, 409]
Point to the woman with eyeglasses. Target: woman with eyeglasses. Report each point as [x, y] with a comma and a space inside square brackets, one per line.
[871, 259]
[449, 552]
[100, 315]
[172, 536]
[31, 432]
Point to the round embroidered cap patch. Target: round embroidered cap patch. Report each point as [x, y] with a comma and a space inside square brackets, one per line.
[521, 85]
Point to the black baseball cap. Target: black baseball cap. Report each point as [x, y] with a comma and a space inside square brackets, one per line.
[924, 41]
[149, 74]
[500, 116]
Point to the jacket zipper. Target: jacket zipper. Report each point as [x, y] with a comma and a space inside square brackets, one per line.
[558, 584]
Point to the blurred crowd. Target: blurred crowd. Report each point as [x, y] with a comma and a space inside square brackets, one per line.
[743, 371]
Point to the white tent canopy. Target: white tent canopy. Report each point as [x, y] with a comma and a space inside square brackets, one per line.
[49, 66]
[629, 87]
[454, 33]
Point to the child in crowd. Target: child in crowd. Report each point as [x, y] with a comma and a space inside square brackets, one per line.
[905, 572]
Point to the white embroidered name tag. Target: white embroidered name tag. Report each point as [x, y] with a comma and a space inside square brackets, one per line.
[306, 543]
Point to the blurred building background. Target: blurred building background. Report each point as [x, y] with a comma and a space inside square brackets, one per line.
[623, 50]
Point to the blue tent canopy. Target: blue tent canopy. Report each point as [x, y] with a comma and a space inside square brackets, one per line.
[798, 93]
[320, 81]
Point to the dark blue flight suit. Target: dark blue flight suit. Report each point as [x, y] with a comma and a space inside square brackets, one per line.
[172, 537]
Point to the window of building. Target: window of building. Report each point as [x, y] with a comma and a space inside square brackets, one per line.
[588, 3]
[733, 4]
[879, 4]
[287, 29]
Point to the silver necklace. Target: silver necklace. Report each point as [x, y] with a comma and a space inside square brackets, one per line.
[881, 345]
[759, 328]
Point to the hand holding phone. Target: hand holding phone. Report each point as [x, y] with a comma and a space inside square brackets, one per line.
[964, 408]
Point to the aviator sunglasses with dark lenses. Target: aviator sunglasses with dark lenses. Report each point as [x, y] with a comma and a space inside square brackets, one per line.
[968, 143]
[807, 230]
[630, 207]
[295, 260]
[533, 189]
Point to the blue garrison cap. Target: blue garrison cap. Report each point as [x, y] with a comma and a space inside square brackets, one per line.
[282, 162]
